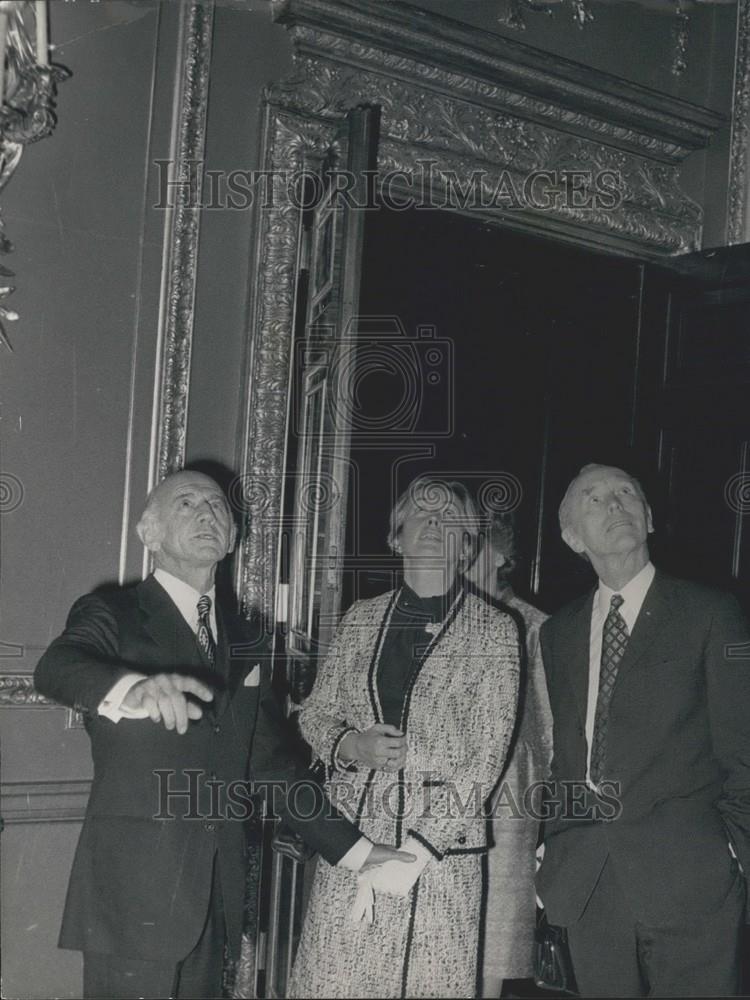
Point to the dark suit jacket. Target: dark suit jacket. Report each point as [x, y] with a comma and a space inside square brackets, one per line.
[679, 745]
[140, 885]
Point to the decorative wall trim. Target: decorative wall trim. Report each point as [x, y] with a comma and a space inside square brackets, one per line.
[397, 37]
[288, 141]
[18, 691]
[737, 229]
[181, 257]
[463, 108]
[451, 95]
[44, 801]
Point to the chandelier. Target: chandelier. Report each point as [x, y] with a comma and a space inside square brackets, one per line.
[28, 86]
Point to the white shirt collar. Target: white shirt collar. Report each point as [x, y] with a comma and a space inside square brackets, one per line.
[633, 595]
[186, 597]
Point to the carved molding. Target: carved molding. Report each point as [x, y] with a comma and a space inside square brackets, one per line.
[653, 216]
[44, 801]
[738, 179]
[429, 112]
[288, 142]
[18, 691]
[403, 39]
[481, 110]
[179, 281]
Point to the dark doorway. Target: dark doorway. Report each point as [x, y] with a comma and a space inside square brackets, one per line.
[502, 360]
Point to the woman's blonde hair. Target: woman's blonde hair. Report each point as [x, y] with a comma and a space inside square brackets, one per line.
[432, 492]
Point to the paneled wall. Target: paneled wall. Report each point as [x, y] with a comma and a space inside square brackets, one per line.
[77, 409]
[249, 51]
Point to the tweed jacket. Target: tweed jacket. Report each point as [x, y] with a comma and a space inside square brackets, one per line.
[458, 718]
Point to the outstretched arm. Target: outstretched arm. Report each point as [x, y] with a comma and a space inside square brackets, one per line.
[82, 665]
[82, 668]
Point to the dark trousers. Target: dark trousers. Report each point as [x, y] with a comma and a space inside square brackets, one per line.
[614, 955]
[197, 976]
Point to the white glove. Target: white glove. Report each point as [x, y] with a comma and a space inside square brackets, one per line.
[393, 878]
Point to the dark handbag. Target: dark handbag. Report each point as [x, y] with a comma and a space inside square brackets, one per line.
[553, 966]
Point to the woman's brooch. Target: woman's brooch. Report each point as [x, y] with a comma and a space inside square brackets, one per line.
[432, 628]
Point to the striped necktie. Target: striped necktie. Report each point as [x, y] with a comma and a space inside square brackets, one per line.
[205, 636]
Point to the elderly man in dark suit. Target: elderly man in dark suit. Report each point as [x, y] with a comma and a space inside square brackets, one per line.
[649, 683]
[175, 691]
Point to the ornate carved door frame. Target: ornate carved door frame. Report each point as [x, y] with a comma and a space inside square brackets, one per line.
[470, 122]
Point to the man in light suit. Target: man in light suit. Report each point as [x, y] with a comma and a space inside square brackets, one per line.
[649, 683]
[176, 694]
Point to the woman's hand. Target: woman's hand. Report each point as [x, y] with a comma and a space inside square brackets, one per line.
[382, 747]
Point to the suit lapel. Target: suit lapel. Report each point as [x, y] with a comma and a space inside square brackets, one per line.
[177, 645]
[163, 622]
[653, 617]
[176, 642]
[576, 644]
[231, 664]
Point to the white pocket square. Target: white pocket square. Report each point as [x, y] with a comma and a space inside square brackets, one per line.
[253, 678]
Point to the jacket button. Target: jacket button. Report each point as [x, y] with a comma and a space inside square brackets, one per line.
[462, 840]
[217, 729]
[210, 827]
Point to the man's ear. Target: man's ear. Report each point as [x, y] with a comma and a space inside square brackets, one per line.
[572, 540]
[649, 520]
[149, 531]
[232, 537]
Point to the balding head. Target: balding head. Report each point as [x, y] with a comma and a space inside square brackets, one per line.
[187, 525]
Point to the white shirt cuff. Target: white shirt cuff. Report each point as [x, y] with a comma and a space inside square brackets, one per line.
[356, 856]
[111, 706]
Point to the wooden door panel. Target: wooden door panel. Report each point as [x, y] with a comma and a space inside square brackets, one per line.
[693, 414]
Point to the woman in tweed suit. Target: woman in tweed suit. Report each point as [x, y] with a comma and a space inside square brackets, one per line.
[412, 712]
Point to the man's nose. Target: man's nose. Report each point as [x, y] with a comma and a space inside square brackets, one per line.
[434, 518]
[614, 502]
[206, 510]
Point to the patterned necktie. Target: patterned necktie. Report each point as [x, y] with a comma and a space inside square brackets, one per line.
[614, 643]
[205, 636]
